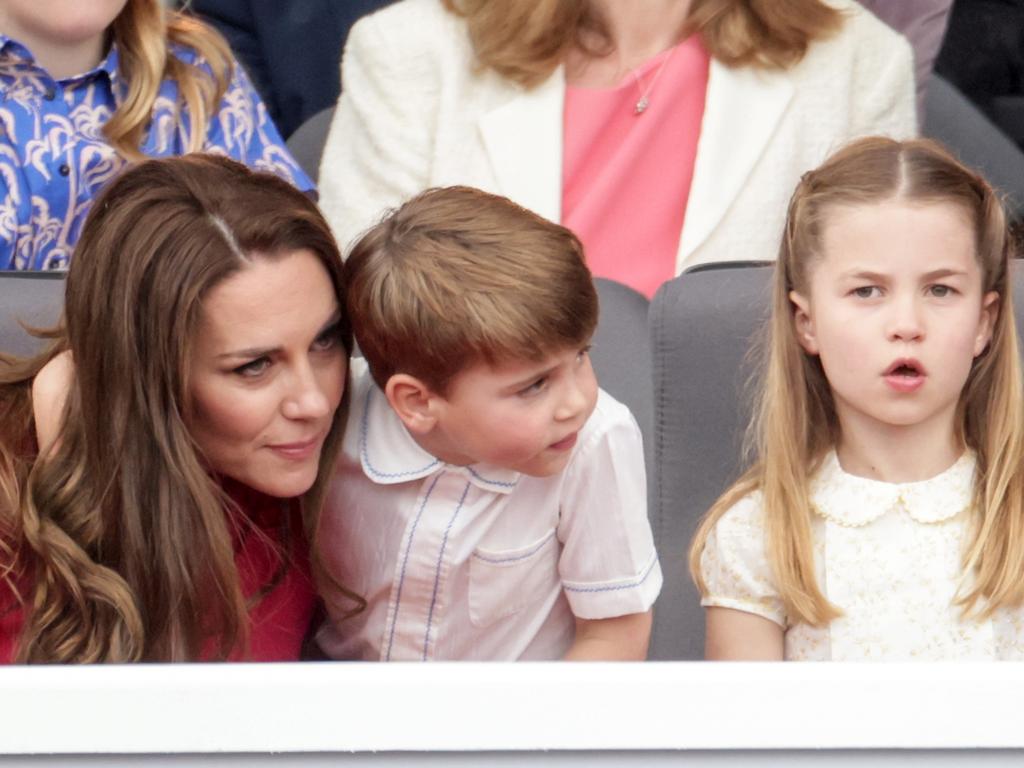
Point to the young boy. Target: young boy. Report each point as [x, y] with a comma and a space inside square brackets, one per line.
[491, 501]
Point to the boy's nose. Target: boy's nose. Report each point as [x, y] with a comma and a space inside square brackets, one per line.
[576, 397]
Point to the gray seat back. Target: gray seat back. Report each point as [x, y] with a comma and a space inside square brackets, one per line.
[307, 143]
[35, 299]
[621, 353]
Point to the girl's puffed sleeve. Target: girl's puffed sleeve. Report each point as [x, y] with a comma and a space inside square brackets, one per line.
[735, 567]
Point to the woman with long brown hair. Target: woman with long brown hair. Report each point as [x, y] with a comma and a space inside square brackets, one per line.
[89, 87]
[162, 464]
[664, 133]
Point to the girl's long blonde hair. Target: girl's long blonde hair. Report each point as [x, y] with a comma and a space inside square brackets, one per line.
[144, 32]
[121, 529]
[795, 422]
[525, 40]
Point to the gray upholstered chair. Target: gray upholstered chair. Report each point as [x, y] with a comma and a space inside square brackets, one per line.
[702, 325]
[34, 299]
[307, 143]
[621, 353]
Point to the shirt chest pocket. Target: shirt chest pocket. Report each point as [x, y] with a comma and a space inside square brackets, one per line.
[503, 582]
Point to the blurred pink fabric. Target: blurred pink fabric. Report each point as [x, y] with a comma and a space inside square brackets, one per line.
[626, 176]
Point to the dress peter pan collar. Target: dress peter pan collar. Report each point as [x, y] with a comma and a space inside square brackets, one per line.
[852, 501]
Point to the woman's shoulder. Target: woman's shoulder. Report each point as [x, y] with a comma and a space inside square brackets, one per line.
[50, 389]
[862, 35]
[413, 28]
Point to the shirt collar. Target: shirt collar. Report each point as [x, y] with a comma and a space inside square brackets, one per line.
[389, 454]
[8, 46]
[853, 501]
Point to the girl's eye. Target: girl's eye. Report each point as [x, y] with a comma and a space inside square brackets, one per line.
[253, 368]
[867, 292]
[583, 353]
[940, 291]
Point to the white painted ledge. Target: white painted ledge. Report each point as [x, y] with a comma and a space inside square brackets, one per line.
[338, 707]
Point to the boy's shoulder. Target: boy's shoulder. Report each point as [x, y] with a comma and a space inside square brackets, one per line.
[611, 420]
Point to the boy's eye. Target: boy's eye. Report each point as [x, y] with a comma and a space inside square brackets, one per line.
[940, 291]
[534, 388]
[867, 292]
[583, 352]
[253, 368]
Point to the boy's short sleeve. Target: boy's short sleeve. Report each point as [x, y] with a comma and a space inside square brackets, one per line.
[735, 567]
[608, 565]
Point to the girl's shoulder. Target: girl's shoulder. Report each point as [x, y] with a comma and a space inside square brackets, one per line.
[740, 528]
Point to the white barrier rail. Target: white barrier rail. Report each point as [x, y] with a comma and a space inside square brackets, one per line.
[342, 708]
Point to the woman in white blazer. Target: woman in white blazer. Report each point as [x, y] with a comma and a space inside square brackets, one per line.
[424, 103]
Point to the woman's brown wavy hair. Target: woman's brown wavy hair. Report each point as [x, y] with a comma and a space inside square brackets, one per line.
[795, 422]
[120, 529]
[525, 40]
[144, 32]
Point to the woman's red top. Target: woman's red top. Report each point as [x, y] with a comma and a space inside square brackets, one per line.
[280, 619]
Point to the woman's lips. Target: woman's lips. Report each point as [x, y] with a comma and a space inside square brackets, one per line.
[298, 451]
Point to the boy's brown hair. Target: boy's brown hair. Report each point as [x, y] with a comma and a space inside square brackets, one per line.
[457, 276]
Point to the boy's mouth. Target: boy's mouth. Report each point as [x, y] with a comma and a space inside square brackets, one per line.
[565, 443]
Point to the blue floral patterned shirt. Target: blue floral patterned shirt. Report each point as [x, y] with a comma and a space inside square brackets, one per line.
[54, 158]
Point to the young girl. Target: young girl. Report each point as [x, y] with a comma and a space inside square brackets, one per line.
[162, 465]
[87, 87]
[884, 517]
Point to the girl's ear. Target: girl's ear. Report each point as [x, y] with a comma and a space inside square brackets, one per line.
[412, 400]
[803, 324]
[987, 321]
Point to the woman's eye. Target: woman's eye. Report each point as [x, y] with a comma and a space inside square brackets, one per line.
[254, 367]
[866, 292]
[583, 353]
[326, 340]
[940, 291]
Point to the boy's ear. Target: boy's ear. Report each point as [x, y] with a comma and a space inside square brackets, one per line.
[412, 400]
[803, 325]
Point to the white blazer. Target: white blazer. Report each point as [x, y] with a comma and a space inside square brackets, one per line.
[416, 112]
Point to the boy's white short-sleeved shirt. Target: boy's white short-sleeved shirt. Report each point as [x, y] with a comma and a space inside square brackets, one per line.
[480, 562]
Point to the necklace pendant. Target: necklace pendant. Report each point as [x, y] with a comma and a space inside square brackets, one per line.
[641, 105]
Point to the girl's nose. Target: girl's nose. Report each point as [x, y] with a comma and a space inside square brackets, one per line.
[905, 322]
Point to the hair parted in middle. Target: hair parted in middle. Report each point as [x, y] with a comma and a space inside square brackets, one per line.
[795, 421]
[457, 276]
[121, 525]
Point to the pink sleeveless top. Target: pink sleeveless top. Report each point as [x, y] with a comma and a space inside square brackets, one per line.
[626, 176]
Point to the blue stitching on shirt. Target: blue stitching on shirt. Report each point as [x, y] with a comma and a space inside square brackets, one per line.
[364, 430]
[437, 573]
[478, 476]
[405, 561]
[498, 560]
[629, 585]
